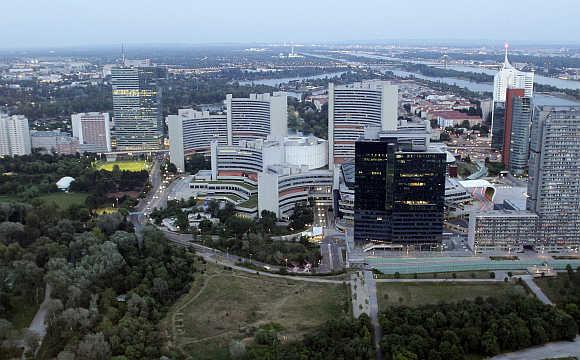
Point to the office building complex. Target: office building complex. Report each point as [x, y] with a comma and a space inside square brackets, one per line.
[399, 193]
[500, 231]
[14, 135]
[137, 108]
[247, 119]
[554, 173]
[92, 131]
[352, 108]
[192, 131]
[54, 142]
[516, 134]
[256, 117]
[507, 77]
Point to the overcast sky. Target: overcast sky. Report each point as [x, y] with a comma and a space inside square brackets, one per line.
[34, 23]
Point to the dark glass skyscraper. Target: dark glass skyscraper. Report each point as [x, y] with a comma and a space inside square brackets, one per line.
[399, 193]
[137, 108]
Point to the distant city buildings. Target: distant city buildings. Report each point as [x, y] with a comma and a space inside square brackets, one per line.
[54, 142]
[352, 108]
[14, 135]
[399, 192]
[92, 131]
[137, 108]
[516, 133]
[508, 77]
[554, 173]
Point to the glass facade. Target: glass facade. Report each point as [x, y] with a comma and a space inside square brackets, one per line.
[399, 194]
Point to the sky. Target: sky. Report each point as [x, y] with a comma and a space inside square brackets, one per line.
[61, 23]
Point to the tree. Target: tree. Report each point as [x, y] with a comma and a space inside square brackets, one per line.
[94, 347]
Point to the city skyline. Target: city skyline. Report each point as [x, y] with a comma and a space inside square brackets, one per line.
[50, 24]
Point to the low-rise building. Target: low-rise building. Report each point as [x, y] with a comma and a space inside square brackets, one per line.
[501, 231]
[54, 142]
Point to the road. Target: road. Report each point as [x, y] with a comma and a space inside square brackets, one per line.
[560, 349]
[331, 253]
[37, 325]
[438, 280]
[529, 280]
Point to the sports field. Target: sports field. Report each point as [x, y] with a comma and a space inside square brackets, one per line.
[124, 165]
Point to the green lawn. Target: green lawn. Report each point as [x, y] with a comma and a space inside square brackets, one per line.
[124, 165]
[62, 199]
[225, 306]
[554, 287]
[416, 294]
[65, 200]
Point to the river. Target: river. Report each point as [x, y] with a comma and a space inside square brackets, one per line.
[280, 81]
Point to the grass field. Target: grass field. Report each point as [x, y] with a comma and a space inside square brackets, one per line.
[551, 286]
[65, 200]
[125, 165]
[225, 306]
[62, 199]
[416, 294]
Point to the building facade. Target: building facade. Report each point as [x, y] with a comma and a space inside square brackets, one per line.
[507, 77]
[502, 231]
[137, 108]
[399, 193]
[192, 131]
[256, 117]
[14, 135]
[54, 142]
[92, 131]
[516, 134]
[554, 170]
[352, 108]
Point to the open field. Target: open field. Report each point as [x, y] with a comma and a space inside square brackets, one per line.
[553, 286]
[65, 200]
[62, 199]
[124, 165]
[225, 306]
[416, 294]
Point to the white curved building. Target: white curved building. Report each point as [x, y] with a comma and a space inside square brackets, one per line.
[192, 131]
[282, 187]
[352, 108]
[256, 117]
[243, 161]
[510, 77]
[308, 151]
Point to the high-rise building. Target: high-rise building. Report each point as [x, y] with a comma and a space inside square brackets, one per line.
[256, 117]
[247, 119]
[352, 108]
[137, 108]
[507, 77]
[516, 134]
[399, 193]
[192, 131]
[554, 173]
[14, 135]
[93, 131]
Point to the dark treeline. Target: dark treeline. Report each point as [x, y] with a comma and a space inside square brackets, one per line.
[438, 72]
[340, 339]
[482, 327]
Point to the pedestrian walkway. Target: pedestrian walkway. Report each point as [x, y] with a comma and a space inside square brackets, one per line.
[560, 349]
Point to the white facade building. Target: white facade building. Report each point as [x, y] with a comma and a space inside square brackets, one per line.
[353, 107]
[192, 131]
[14, 135]
[502, 231]
[93, 131]
[510, 77]
[256, 117]
[308, 151]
